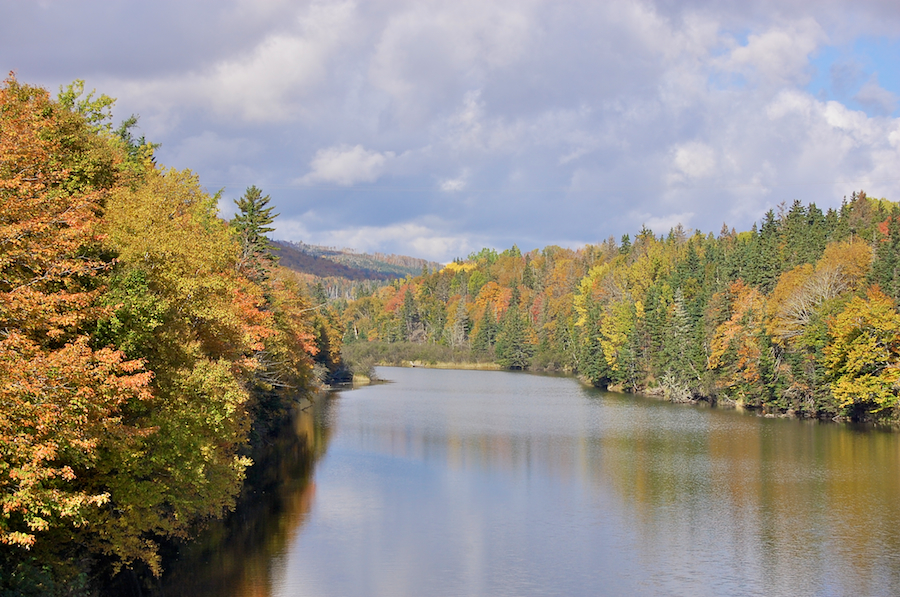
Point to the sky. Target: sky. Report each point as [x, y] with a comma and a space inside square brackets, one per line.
[434, 128]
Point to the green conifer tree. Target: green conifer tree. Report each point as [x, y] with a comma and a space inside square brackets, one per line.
[487, 333]
[251, 224]
[886, 265]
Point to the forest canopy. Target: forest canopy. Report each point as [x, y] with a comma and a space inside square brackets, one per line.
[145, 342]
[797, 315]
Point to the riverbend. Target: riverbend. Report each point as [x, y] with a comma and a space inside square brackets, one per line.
[496, 483]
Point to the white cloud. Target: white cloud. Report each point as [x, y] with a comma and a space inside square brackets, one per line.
[427, 50]
[346, 165]
[571, 116]
[453, 185]
[410, 238]
[267, 84]
[778, 55]
[693, 160]
[662, 224]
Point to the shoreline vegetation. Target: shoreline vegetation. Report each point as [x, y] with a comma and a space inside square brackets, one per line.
[795, 317]
[148, 348]
[369, 377]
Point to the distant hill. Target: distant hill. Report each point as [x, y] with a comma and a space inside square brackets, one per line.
[291, 256]
[397, 266]
[342, 270]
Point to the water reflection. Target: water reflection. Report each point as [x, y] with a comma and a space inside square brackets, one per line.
[235, 556]
[488, 483]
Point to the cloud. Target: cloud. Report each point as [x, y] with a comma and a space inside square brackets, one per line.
[454, 185]
[693, 160]
[845, 76]
[427, 51]
[779, 55]
[662, 224]
[270, 82]
[345, 166]
[876, 98]
[423, 240]
[210, 147]
[507, 121]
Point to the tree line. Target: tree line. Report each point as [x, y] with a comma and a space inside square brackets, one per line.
[797, 315]
[144, 344]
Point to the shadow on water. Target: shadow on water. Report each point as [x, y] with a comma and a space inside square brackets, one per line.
[233, 557]
[494, 483]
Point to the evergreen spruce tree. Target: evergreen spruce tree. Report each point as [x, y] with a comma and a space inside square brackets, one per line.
[528, 277]
[487, 333]
[592, 363]
[514, 347]
[886, 265]
[251, 223]
[764, 258]
[677, 344]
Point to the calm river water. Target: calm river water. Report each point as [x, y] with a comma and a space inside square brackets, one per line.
[493, 483]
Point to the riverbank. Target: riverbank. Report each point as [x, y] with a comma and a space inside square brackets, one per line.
[465, 365]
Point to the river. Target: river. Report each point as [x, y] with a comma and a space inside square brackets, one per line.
[495, 483]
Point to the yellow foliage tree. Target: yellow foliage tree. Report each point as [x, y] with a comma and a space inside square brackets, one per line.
[864, 352]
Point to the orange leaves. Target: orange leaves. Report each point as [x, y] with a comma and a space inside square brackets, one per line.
[57, 407]
[492, 294]
[61, 398]
[396, 299]
[735, 344]
[44, 231]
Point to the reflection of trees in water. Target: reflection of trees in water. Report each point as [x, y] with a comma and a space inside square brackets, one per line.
[784, 501]
[233, 557]
[804, 502]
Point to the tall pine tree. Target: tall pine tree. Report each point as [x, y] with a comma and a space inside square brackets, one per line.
[252, 224]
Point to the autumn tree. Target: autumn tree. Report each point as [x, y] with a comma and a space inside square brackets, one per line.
[864, 354]
[62, 396]
[200, 326]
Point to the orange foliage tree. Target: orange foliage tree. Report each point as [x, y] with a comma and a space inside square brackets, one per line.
[61, 398]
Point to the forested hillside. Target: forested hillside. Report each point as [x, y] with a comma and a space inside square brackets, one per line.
[345, 274]
[797, 315]
[395, 266]
[145, 343]
[293, 257]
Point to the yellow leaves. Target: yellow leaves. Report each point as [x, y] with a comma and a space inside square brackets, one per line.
[169, 224]
[851, 258]
[616, 326]
[801, 291]
[791, 303]
[654, 262]
[592, 287]
[456, 266]
[864, 352]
